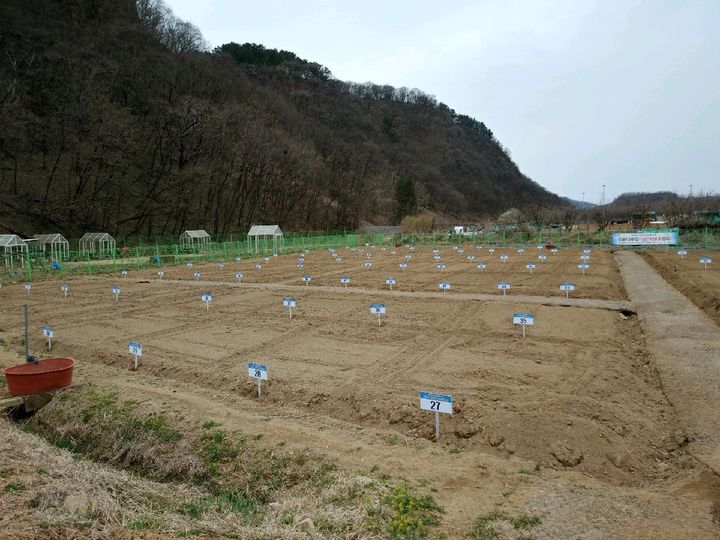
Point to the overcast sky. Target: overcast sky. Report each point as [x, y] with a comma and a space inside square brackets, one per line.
[624, 93]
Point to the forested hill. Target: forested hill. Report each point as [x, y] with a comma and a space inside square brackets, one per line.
[114, 116]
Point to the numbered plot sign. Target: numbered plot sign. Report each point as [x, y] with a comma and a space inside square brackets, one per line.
[503, 285]
[586, 251]
[377, 309]
[461, 250]
[64, 287]
[338, 259]
[705, 261]
[523, 318]
[390, 281]
[682, 252]
[345, 280]
[540, 246]
[48, 332]
[116, 290]
[123, 272]
[403, 265]
[237, 259]
[135, 348]
[567, 286]
[585, 257]
[257, 371]
[455, 248]
[161, 274]
[491, 250]
[393, 252]
[542, 257]
[444, 285]
[530, 266]
[221, 265]
[27, 287]
[441, 266]
[306, 278]
[471, 257]
[238, 276]
[206, 297]
[368, 264]
[289, 301]
[554, 250]
[189, 265]
[521, 250]
[481, 266]
[266, 259]
[300, 266]
[408, 257]
[503, 258]
[441, 403]
[258, 266]
[583, 266]
[436, 251]
[197, 275]
[436, 257]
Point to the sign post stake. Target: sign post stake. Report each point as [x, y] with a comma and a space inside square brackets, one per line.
[259, 384]
[437, 426]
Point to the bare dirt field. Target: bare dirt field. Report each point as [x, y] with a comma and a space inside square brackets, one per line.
[687, 275]
[569, 423]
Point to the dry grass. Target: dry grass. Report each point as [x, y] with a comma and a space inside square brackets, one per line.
[214, 483]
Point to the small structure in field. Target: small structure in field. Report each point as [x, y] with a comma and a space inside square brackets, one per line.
[261, 234]
[13, 247]
[99, 242]
[195, 239]
[55, 244]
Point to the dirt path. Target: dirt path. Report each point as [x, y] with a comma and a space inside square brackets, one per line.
[686, 346]
[612, 305]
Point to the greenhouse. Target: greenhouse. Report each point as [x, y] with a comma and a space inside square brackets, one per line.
[13, 248]
[262, 235]
[97, 243]
[196, 239]
[56, 245]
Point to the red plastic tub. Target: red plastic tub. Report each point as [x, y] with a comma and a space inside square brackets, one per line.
[41, 376]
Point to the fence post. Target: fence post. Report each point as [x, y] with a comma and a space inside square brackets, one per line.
[28, 264]
[137, 258]
[114, 261]
[89, 267]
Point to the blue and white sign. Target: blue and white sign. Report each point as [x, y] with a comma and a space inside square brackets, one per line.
[390, 281]
[189, 265]
[64, 288]
[491, 250]
[436, 257]
[583, 266]
[237, 259]
[289, 301]
[503, 285]
[585, 257]
[257, 371]
[471, 257]
[530, 266]
[542, 258]
[135, 348]
[161, 274]
[196, 275]
[206, 297]
[521, 250]
[481, 266]
[553, 250]
[441, 266]
[408, 257]
[504, 258]
[48, 332]
[345, 280]
[666, 238]
[307, 278]
[123, 272]
[705, 261]
[440, 403]
[368, 264]
[116, 291]
[239, 276]
[526, 319]
[403, 265]
[444, 285]
[266, 259]
[221, 265]
[567, 286]
[258, 266]
[682, 252]
[540, 246]
[377, 309]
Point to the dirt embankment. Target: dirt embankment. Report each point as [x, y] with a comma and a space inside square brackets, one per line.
[687, 275]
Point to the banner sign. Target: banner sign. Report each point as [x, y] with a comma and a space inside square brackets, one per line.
[645, 238]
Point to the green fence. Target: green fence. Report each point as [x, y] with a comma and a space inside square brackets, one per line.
[148, 254]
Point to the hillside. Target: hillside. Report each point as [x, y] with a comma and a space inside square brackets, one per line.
[113, 116]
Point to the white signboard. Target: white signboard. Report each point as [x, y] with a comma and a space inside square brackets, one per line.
[521, 250]
[64, 288]
[345, 280]
[440, 403]
[403, 266]
[705, 261]
[239, 276]
[116, 292]
[441, 266]
[197, 275]
[471, 257]
[123, 272]
[206, 297]
[481, 266]
[567, 286]
[135, 348]
[289, 302]
[503, 285]
[161, 273]
[523, 318]
[444, 285]
[368, 264]
[682, 252]
[48, 332]
[503, 258]
[542, 258]
[189, 265]
[390, 281]
[257, 371]
[307, 278]
[491, 250]
[258, 266]
[436, 257]
[377, 309]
